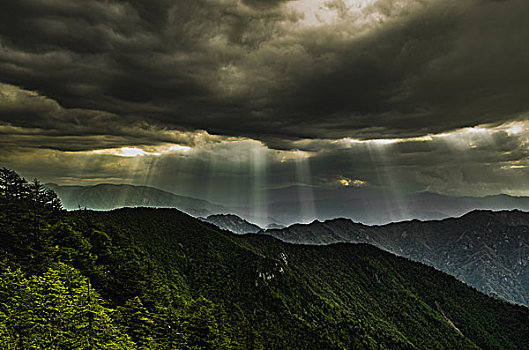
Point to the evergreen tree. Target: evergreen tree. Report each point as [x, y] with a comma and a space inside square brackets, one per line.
[55, 311]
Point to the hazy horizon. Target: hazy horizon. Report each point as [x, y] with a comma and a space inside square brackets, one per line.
[287, 206]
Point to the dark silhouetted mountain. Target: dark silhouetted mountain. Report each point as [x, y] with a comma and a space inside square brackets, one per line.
[232, 223]
[110, 196]
[488, 250]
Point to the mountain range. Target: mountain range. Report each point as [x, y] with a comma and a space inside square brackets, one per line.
[487, 250]
[290, 205]
[157, 278]
[111, 196]
[297, 204]
[338, 296]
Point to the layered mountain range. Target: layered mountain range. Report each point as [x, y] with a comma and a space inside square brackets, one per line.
[294, 205]
[488, 250]
[286, 206]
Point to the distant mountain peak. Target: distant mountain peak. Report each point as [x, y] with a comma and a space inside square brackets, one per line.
[233, 223]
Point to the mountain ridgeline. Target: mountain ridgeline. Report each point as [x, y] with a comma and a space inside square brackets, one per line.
[488, 250]
[232, 223]
[368, 206]
[285, 205]
[145, 278]
[111, 196]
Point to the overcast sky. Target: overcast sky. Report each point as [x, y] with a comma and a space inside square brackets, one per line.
[222, 99]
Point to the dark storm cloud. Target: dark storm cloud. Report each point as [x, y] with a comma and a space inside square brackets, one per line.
[34, 121]
[253, 69]
[450, 66]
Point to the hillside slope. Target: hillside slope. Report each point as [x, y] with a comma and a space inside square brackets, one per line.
[232, 223]
[337, 296]
[488, 250]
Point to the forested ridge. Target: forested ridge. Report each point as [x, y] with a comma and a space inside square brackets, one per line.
[140, 278]
[485, 249]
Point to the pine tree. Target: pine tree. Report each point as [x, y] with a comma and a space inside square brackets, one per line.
[56, 311]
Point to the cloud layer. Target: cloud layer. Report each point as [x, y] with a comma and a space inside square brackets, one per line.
[216, 97]
[275, 70]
